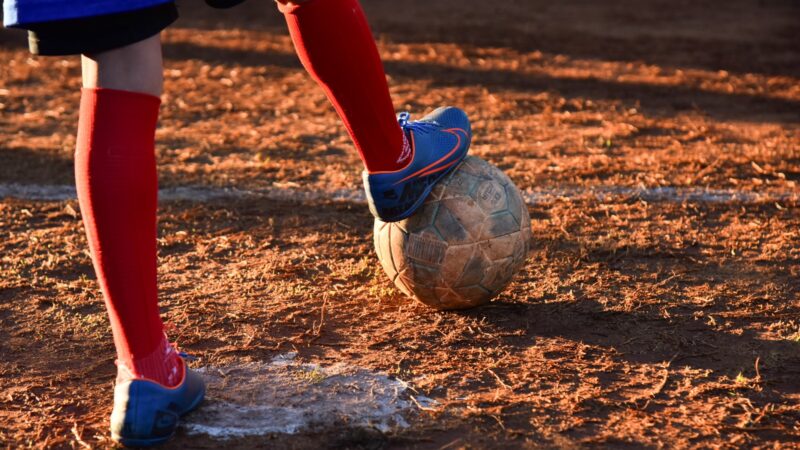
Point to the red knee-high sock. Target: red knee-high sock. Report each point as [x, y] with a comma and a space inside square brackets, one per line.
[335, 45]
[115, 174]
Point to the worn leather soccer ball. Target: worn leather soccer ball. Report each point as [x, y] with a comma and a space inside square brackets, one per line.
[465, 243]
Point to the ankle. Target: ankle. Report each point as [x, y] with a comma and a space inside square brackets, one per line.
[164, 366]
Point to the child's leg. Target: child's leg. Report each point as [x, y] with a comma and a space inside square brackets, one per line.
[404, 159]
[335, 44]
[136, 68]
[115, 172]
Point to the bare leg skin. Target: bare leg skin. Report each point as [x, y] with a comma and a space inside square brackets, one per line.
[137, 67]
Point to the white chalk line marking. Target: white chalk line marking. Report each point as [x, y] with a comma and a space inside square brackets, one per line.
[288, 397]
[532, 196]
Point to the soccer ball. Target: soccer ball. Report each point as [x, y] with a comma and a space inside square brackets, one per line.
[465, 243]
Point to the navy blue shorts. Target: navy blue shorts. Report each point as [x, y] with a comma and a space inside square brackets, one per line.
[92, 33]
[20, 13]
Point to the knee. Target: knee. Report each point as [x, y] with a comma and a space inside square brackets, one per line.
[137, 67]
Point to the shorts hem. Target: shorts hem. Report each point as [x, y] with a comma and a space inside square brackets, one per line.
[101, 33]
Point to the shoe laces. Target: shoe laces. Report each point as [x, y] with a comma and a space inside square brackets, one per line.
[419, 126]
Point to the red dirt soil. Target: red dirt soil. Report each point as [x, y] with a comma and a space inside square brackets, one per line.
[635, 324]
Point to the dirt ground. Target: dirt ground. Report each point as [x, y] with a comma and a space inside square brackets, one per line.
[635, 324]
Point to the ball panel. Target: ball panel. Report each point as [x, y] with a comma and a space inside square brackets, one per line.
[425, 247]
[491, 197]
[422, 219]
[402, 225]
[472, 296]
[450, 227]
[462, 184]
[521, 248]
[452, 300]
[377, 235]
[497, 274]
[437, 192]
[525, 225]
[515, 204]
[425, 276]
[499, 247]
[526, 232]
[446, 295]
[473, 269]
[499, 225]
[455, 261]
[383, 245]
[477, 167]
[467, 212]
[382, 240]
[401, 281]
[397, 242]
[425, 294]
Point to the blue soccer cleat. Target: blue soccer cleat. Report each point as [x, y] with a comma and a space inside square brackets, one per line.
[146, 413]
[438, 142]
